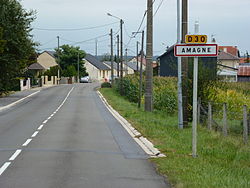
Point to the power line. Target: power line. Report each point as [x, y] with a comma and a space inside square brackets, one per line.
[51, 40]
[159, 6]
[75, 29]
[143, 18]
[101, 36]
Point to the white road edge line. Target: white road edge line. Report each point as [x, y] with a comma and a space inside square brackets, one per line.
[13, 157]
[144, 143]
[18, 101]
[34, 134]
[4, 167]
[27, 142]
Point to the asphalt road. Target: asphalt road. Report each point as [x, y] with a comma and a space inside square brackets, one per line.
[65, 137]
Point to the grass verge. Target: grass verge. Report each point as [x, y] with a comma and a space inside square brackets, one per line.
[222, 162]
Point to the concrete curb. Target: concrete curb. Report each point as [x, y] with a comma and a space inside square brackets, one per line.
[18, 101]
[143, 142]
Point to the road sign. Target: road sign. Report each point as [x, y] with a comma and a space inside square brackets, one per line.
[196, 39]
[196, 50]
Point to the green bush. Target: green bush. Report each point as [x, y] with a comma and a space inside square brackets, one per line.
[129, 87]
[106, 85]
[164, 92]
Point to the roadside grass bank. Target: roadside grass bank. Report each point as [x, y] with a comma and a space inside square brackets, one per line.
[222, 162]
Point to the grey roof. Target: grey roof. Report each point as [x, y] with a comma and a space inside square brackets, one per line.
[52, 53]
[36, 66]
[109, 64]
[226, 56]
[94, 61]
[169, 50]
[132, 65]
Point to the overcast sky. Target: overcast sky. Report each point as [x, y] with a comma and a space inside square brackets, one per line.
[227, 20]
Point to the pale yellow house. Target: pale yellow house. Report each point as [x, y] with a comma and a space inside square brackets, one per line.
[47, 59]
[97, 70]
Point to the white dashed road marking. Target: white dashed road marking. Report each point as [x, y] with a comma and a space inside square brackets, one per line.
[34, 134]
[17, 152]
[27, 142]
[12, 158]
[4, 167]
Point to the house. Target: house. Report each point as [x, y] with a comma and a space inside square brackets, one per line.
[233, 50]
[244, 72]
[45, 61]
[134, 60]
[115, 67]
[228, 66]
[96, 69]
[128, 67]
[227, 59]
[169, 67]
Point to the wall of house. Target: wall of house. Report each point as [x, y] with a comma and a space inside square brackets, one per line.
[230, 63]
[46, 60]
[92, 71]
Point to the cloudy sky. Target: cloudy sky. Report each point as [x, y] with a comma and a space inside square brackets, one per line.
[226, 20]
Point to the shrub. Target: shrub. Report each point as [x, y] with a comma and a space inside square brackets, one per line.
[165, 94]
[106, 85]
[130, 87]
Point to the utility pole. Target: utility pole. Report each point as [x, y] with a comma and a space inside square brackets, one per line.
[140, 84]
[111, 57]
[185, 63]
[126, 61]
[121, 37]
[180, 106]
[121, 51]
[96, 47]
[118, 58]
[58, 48]
[149, 54]
[137, 64]
[78, 68]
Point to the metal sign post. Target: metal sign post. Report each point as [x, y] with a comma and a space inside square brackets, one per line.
[196, 49]
[195, 89]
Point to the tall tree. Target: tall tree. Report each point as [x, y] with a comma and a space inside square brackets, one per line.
[2, 42]
[68, 57]
[18, 51]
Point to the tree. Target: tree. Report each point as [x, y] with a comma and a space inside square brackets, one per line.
[53, 71]
[18, 50]
[2, 42]
[68, 57]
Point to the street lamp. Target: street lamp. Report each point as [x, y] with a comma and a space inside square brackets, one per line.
[121, 47]
[121, 41]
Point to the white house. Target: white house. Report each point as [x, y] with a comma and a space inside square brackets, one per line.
[96, 69]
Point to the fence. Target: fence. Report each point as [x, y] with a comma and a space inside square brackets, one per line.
[226, 119]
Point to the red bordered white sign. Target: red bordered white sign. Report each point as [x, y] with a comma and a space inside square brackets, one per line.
[196, 50]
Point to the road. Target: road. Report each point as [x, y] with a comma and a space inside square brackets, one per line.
[65, 137]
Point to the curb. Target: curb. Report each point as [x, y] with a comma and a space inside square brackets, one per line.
[18, 101]
[143, 142]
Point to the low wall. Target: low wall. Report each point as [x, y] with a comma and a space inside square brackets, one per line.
[48, 80]
[24, 84]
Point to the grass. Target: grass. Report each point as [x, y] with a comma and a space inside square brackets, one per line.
[222, 162]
